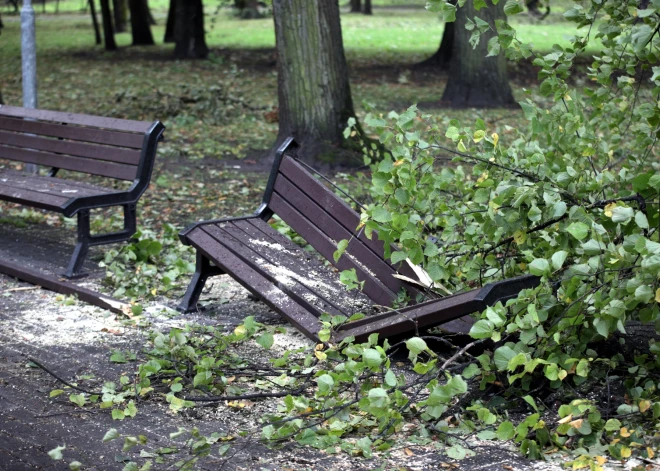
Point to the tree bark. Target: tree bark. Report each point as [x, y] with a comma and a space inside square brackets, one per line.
[367, 8]
[442, 56]
[140, 23]
[95, 22]
[108, 31]
[169, 26]
[474, 79]
[356, 6]
[314, 93]
[189, 36]
[120, 10]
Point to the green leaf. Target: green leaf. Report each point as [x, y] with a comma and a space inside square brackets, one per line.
[622, 214]
[482, 329]
[371, 357]
[539, 267]
[77, 399]
[75, 466]
[644, 293]
[110, 435]
[558, 259]
[641, 220]
[117, 414]
[390, 379]
[56, 392]
[416, 345]
[265, 340]
[341, 248]
[56, 453]
[579, 230]
[325, 383]
[506, 431]
[502, 357]
[381, 215]
[513, 7]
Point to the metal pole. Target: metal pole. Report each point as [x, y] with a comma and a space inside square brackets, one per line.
[29, 58]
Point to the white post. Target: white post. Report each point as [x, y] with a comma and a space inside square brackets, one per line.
[29, 59]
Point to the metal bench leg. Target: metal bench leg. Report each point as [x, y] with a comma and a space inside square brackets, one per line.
[203, 270]
[82, 247]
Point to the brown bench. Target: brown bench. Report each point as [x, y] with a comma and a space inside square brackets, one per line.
[298, 286]
[115, 149]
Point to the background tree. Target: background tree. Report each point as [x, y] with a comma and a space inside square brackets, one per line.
[314, 93]
[108, 30]
[356, 6]
[367, 8]
[95, 22]
[189, 36]
[140, 27]
[169, 25]
[120, 10]
[476, 80]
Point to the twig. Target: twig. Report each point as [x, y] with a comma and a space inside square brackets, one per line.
[459, 353]
[60, 379]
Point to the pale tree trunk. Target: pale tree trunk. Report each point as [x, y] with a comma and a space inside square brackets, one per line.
[474, 79]
[108, 31]
[314, 93]
[140, 27]
[189, 37]
[120, 10]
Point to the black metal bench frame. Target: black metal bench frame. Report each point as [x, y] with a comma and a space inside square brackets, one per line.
[297, 198]
[115, 148]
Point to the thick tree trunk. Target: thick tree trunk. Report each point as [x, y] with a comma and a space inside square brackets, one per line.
[120, 10]
[95, 22]
[190, 42]
[367, 7]
[474, 79]
[314, 93]
[442, 56]
[108, 31]
[356, 6]
[150, 17]
[140, 23]
[169, 26]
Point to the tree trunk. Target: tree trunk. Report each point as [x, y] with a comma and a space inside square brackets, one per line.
[95, 22]
[108, 31]
[190, 42]
[367, 7]
[314, 93]
[356, 6]
[140, 23]
[169, 26]
[120, 10]
[474, 79]
[442, 56]
[150, 17]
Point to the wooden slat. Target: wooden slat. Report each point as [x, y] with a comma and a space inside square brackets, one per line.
[335, 206]
[373, 287]
[78, 149]
[79, 119]
[97, 136]
[317, 215]
[50, 185]
[413, 318]
[267, 266]
[33, 198]
[94, 167]
[274, 297]
[58, 285]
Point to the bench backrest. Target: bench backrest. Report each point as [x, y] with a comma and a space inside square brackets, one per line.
[323, 219]
[107, 147]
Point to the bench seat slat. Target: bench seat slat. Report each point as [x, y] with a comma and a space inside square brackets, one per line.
[318, 216]
[51, 185]
[373, 288]
[79, 119]
[307, 266]
[334, 205]
[97, 136]
[273, 269]
[77, 149]
[258, 285]
[32, 198]
[66, 162]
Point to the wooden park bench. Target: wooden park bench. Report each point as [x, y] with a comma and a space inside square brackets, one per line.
[115, 149]
[295, 284]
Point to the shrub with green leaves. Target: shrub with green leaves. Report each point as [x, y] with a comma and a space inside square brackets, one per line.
[573, 198]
